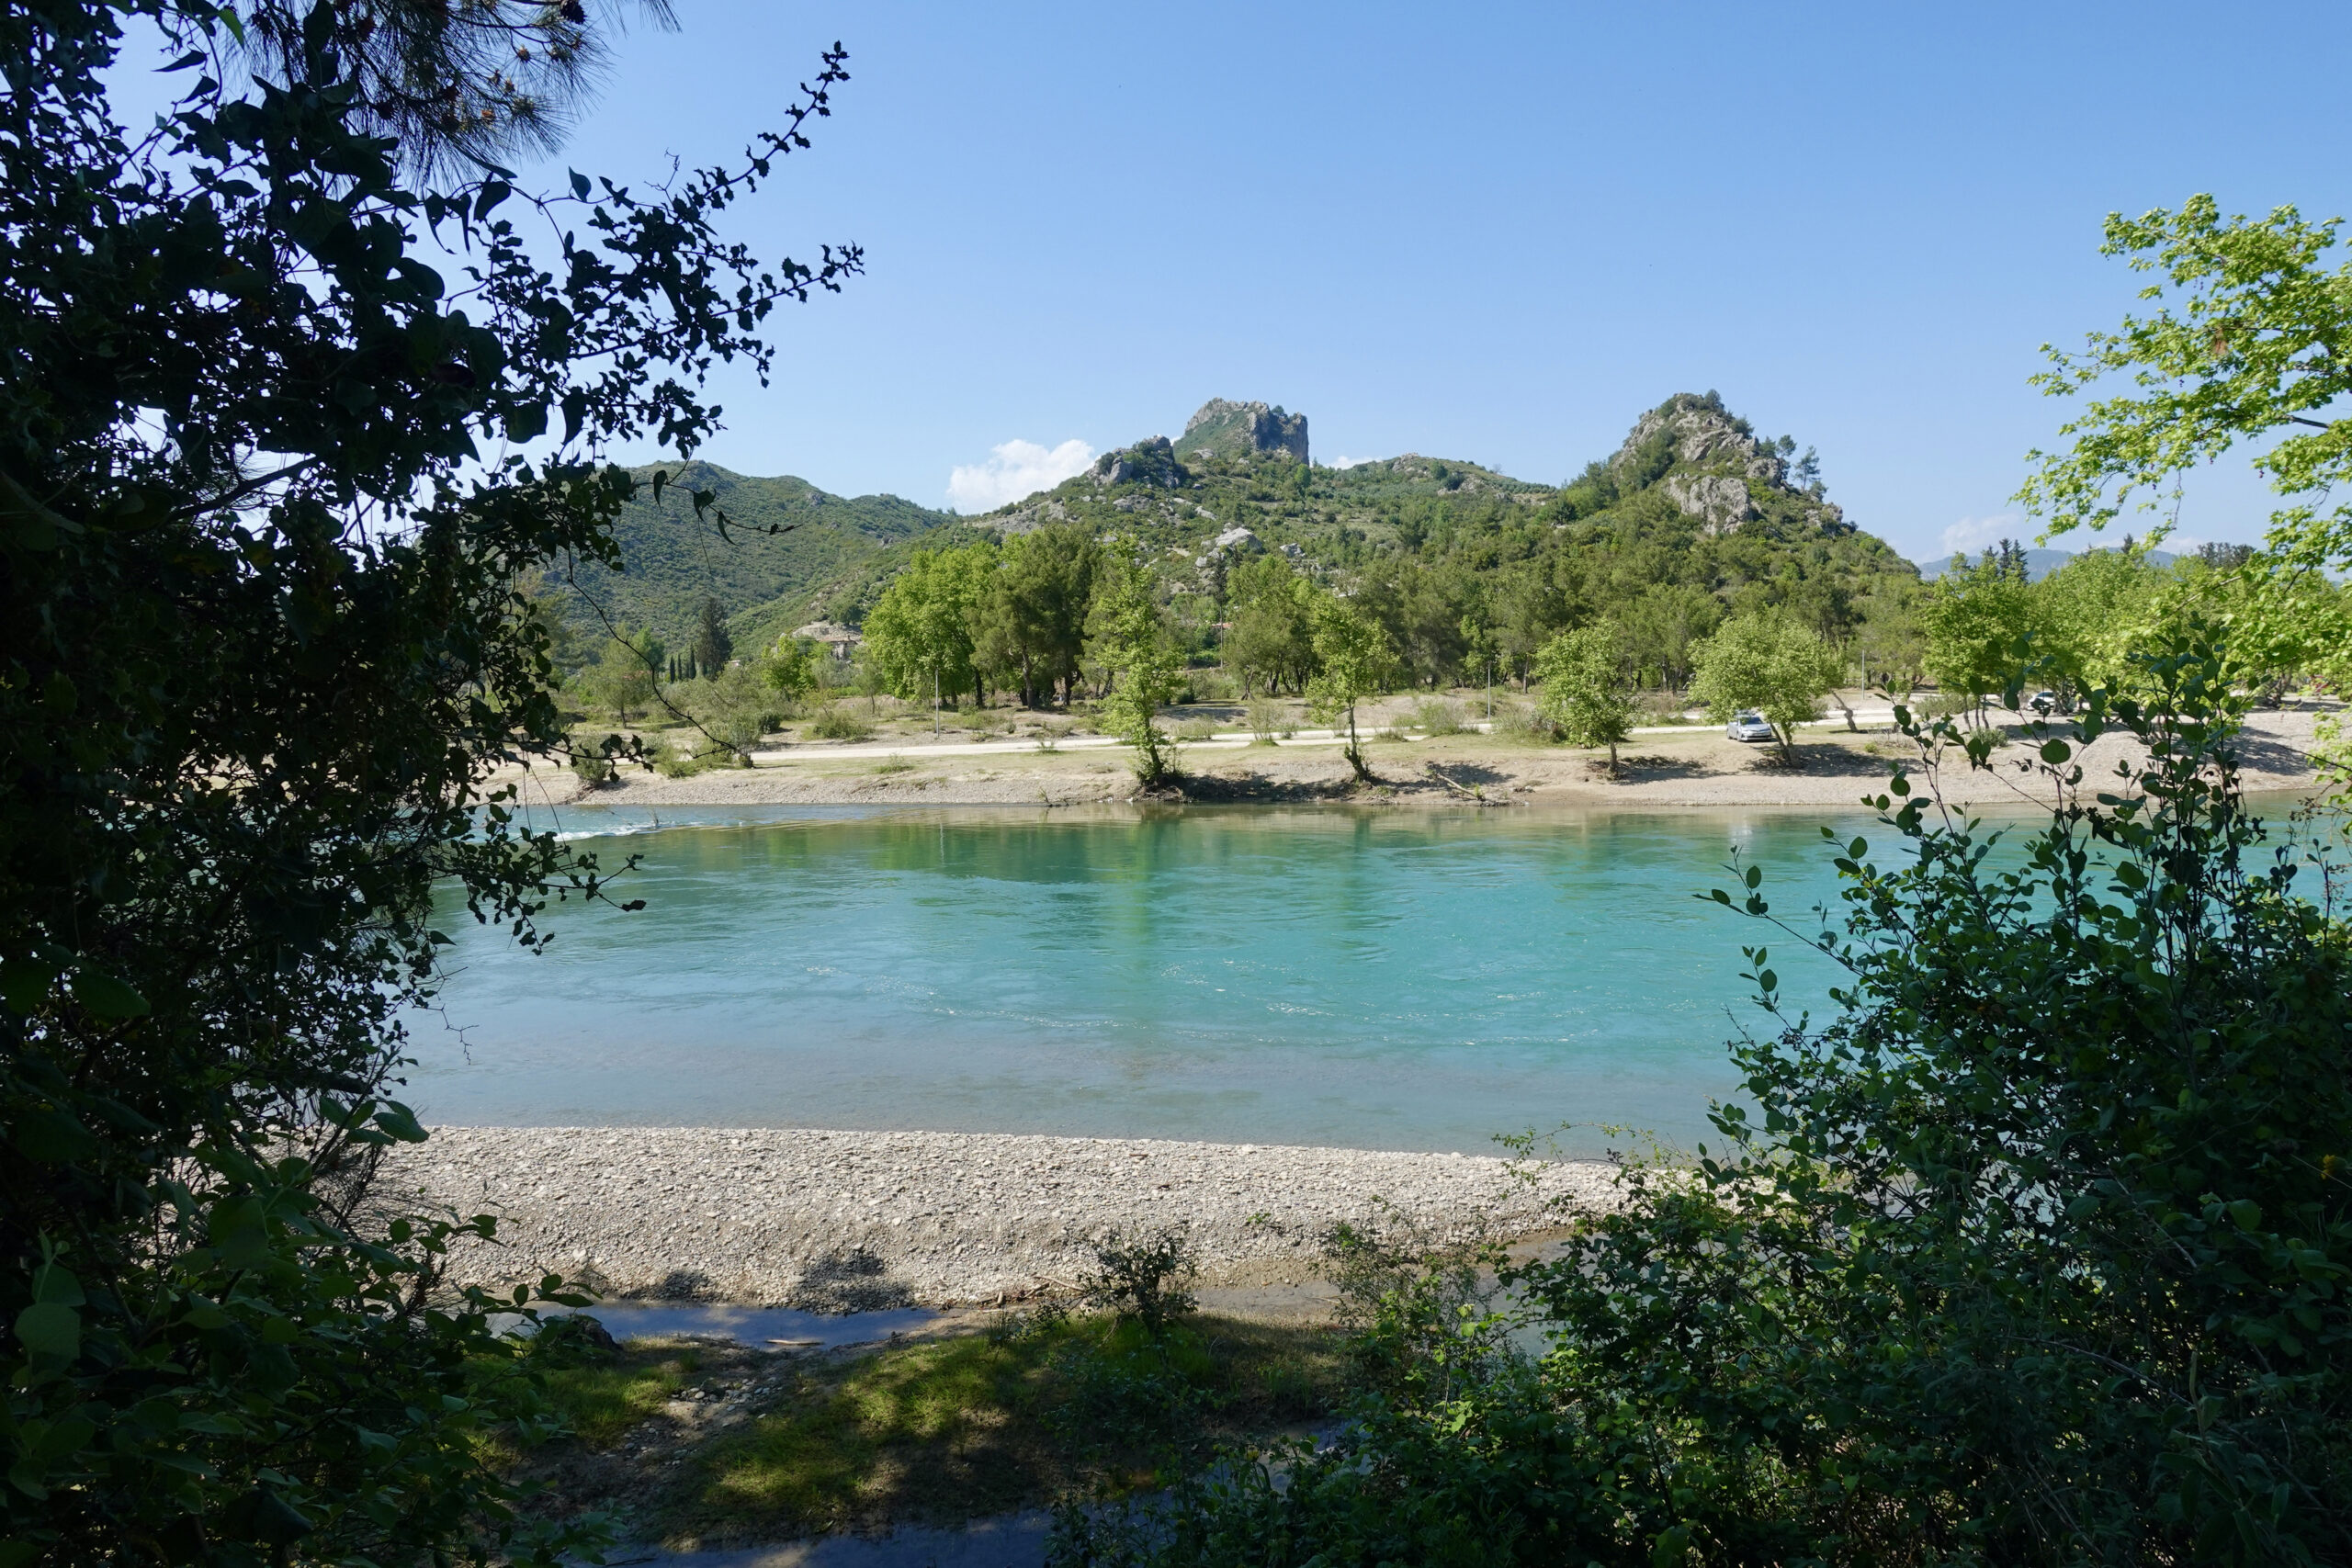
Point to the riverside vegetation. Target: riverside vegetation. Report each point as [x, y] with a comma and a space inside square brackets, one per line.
[1696, 564]
[2037, 1251]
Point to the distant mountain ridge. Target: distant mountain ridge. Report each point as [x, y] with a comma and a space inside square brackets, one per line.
[2041, 563]
[672, 560]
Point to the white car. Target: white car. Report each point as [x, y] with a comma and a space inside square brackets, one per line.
[1749, 725]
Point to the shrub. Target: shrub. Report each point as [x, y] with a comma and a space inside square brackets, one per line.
[1268, 719]
[1207, 686]
[1196, 729]
[594, 766]
[1147, 1278]
[672, 760]
[1525, 721]
[1439, 715]
[837, 721]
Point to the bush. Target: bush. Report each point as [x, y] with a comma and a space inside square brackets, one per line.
[1147, 1278]
[837, 721]
[1439, 715]
[1196, 729]
[1662, 707]
[1207, 686]
[1268, 719]
[672, 760]
[593, 765]
[1525, 721]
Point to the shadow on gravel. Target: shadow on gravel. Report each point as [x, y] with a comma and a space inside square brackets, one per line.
[856, 1280]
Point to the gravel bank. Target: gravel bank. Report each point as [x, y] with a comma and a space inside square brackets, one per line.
[842, 1221]
[1693, 768]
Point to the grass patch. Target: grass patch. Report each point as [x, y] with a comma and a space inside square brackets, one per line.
[894, 765]
[956, 1429]
[940, 1432]
[601, 1403]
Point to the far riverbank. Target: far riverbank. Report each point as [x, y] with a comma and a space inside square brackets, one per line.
[1693, 767]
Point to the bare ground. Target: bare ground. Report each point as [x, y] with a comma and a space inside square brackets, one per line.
[842, 1221]
[1694, 767]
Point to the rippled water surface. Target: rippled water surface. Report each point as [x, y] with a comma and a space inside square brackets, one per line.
[1379, 979]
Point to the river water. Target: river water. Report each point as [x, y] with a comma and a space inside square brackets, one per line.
[1378, 979]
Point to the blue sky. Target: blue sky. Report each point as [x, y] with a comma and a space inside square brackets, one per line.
[1493, 232]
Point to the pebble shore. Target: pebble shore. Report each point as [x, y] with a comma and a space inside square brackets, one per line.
[844, 1222]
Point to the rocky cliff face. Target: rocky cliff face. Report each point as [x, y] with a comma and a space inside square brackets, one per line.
[1145, 462]
[1709, 463]
[1223, 428]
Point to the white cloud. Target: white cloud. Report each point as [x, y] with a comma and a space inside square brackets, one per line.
[1978, 533]
[1347, 462]
[1015, 470]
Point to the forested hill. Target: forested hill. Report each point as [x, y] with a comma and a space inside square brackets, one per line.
[1693, 517]
[763, 582]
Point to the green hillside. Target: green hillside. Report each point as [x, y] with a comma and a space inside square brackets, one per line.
[764, 582]
[1692, 518]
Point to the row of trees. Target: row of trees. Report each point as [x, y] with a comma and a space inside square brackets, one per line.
[1987, 629]
[1012, 615]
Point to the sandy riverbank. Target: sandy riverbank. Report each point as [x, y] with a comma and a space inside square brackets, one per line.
[1696, 767]
[843, 1220]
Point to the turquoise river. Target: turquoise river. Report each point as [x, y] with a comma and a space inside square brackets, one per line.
[1383, 980]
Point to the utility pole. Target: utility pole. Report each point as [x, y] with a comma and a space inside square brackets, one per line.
[934, 702]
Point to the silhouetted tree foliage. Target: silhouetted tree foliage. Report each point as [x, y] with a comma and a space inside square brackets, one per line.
[267, 637]
[2034, 1251]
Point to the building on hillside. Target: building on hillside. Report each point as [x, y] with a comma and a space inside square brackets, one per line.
[841, 641]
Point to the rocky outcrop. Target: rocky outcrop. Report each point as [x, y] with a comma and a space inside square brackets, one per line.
[1719, 501]
[1222, 428]
[1220, 553]
[1709, 463]
[1703, 435]
[1145, 462]
[1028, 519]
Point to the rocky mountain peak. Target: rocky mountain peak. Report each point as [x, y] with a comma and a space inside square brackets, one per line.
[1221, 428]
[1709, 462]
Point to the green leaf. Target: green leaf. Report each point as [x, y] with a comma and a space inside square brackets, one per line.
[579, 185]
[52, 1136]
[2054, 752]
[24, 983]
[401, 1122]
[55, 1284]
[2246, 1213]
[106, 996]
[50, 1328]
